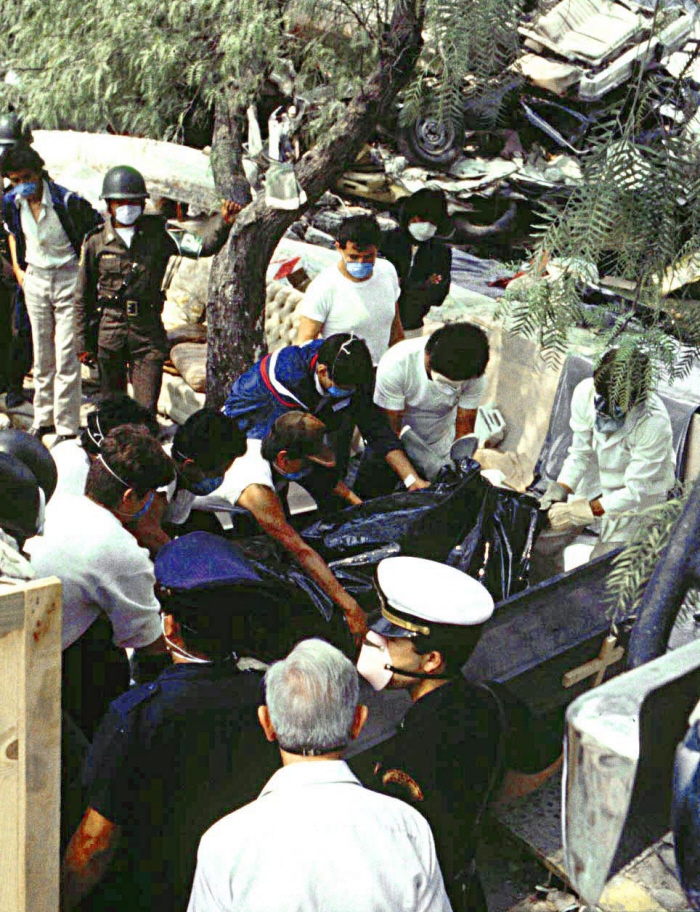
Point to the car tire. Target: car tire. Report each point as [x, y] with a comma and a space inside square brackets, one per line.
[429, 143]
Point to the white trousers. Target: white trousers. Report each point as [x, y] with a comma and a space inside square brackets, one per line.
[49, 297]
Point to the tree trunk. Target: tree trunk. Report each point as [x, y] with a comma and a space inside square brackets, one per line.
[236, 295]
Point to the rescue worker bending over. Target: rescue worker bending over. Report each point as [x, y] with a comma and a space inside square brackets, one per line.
[624, 450]
[119, 297]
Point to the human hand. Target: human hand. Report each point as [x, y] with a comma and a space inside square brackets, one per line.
[555, 493]
[20, 275]
[356, 619]
[87, 358]
[573, 515]
[229, 211]
[419, 484]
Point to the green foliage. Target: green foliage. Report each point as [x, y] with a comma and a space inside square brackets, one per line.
[633, 567]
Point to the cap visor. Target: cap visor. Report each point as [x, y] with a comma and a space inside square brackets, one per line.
[386, 629]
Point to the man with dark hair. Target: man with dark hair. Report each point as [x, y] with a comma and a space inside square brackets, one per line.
[88, 545]
[296, 451]
[315, 839]
[423, 262]
[73, 457]
[432, 385]
[203, 450]
[448, 754]
[621, 454]
[172, 756]
[358, 295]
[46, 225]
[331, 379]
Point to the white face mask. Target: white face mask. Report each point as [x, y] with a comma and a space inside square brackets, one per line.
[422, 231]
[453, 386]
[179, 651]
[127, 215]
[374, 660]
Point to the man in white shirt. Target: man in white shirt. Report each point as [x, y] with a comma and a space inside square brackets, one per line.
[88, 545]
[46, 224]
[622, 445]
[359, 295]
[315, 838]
[434, 386]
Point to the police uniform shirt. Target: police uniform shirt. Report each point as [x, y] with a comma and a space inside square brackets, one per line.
[441, 761]
[169, 759]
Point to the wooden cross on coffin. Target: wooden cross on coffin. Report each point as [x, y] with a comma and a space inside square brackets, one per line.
[609, 654]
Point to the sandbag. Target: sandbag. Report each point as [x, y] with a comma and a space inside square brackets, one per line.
[188, 332]
[190, 358]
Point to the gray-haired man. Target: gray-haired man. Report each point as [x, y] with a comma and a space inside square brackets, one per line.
[315, 838]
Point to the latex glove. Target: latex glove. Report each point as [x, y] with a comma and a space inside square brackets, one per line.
[555, 493]
[572, 515]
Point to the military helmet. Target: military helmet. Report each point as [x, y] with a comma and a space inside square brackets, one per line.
[123, 182]
[20, 498]
[33, 454]
[13, 132]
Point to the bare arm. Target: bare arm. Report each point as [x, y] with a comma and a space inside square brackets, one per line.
[401, 464]
[88, 857]
[395, 420]
[18, 271]
[466, 419]
[308, 330]
[265, 506]
[396, 334]
[342, 490]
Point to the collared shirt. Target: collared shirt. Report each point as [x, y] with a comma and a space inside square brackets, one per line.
[102, 569]
[47, 244]
[317, 841]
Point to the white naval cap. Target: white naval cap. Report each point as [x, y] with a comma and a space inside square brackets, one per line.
[420, 595]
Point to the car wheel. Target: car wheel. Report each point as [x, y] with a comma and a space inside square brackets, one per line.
[430, 142]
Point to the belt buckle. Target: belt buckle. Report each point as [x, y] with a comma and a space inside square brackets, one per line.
[132, 308]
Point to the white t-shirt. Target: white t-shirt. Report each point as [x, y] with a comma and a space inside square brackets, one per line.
[73, 465]
[429, 408]
[102, 569]
[247, 470]
[365, 308]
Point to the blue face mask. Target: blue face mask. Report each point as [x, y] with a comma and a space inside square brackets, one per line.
[22, 191]
[134, 517]
[337, 393]
[359, 270]
[295, 476]
[205, 486]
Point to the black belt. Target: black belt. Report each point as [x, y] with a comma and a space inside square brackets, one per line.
[133, 307]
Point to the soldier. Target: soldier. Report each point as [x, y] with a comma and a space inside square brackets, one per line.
[119, 298]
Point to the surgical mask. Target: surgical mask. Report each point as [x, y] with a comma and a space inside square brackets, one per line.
[337, 393]
[359, 270]
[205, 486]
[134, 517]
[22, 191]
[127, 215]
[178, 650]
[454, 386]
[607, 419]
[374, 663]
[295, 476]
[422, 231]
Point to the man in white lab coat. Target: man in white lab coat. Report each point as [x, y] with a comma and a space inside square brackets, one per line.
[624, 447]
